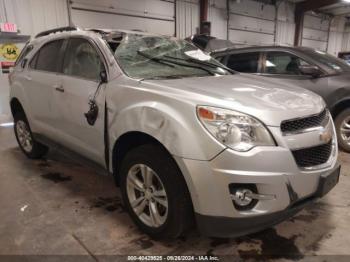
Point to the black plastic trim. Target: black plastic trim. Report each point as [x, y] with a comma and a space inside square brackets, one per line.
[213, 226]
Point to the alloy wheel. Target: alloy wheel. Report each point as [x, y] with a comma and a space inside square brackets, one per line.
[147, 195]
[345, 130]
[24, 136]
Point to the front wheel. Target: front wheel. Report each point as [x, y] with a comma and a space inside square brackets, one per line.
[342, 124]
[31, 148]
[155, 193]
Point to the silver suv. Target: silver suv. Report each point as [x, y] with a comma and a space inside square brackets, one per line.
[186, 139]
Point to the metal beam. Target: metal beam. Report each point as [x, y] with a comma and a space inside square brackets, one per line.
[203, 6]
[299, 25]
[203, 14]
[337, 10]
[310, 5]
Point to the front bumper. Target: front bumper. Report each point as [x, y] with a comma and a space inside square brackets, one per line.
[273, 171]
[234, 227]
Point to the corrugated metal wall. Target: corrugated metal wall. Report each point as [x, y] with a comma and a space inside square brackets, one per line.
[316, 31]
[187, 17]
[285, 24]
[336, 35]
[153, 16]
[33, 16]
[218, 16]
[252, 23]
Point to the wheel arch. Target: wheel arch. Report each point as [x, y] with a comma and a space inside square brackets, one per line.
[127, 142]
[340, 107]
[16, 106]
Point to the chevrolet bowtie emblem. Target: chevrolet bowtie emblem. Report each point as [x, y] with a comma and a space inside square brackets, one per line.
[326, 136]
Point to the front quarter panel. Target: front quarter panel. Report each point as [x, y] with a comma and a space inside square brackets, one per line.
[162, 114]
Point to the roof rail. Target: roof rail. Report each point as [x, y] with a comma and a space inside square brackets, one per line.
[56, 30]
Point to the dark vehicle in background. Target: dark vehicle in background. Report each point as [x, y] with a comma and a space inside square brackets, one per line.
[312, 69]
[345, 56]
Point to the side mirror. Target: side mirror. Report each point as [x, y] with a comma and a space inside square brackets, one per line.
[310, 70]
[103, 77]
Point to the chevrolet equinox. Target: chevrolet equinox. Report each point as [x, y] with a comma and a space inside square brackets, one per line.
[186, 139]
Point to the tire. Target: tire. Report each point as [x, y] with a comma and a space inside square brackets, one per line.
[342, 121]
[31, 148]
[174, 220]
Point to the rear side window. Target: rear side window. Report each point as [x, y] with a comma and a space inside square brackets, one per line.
[47, 58]
[245, 63]
[82, 60]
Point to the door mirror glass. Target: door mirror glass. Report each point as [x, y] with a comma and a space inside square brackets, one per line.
[103, 77]
[310, 70]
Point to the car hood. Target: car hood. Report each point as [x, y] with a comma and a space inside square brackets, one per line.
[271, 101]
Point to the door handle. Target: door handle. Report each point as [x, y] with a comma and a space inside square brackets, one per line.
[59, 88]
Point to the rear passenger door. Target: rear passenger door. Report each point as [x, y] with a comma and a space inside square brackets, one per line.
[82, 65]
[41, 78]
[244, 62]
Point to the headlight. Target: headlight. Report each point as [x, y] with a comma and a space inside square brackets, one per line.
[235, 130]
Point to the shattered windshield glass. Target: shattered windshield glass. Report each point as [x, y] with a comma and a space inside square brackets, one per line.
[156, 57]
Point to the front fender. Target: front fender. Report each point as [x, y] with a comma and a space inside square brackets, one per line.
[178, 130]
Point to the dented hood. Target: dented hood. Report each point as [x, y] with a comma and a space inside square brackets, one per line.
[271, 101]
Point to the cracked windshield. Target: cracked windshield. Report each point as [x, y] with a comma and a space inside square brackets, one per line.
[152, 57]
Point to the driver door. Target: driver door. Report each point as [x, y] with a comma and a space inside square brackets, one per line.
[82, 66]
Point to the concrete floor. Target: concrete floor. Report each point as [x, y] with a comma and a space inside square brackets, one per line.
[59, 207]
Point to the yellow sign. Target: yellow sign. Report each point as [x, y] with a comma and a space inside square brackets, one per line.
[9, 51]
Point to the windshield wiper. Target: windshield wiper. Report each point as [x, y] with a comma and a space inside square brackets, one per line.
[166, 61]
[166, 77]
[154, 59]
[159, 78]
[201, 63]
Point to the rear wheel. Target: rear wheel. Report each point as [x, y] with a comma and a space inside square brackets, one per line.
[155, 193]
[342, 123]
[28, 145]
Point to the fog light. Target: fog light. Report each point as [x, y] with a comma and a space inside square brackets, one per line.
[241, 197]
[246, 196]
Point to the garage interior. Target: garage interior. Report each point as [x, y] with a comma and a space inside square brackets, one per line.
[56, 206]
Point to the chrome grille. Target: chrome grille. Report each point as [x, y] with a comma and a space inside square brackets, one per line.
[297, 125]
[313, 156]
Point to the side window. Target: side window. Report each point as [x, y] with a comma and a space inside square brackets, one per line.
[245, 63]
[282, 63]
[32, 63]
[26, 50]
[82, 60]
[47, 58]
